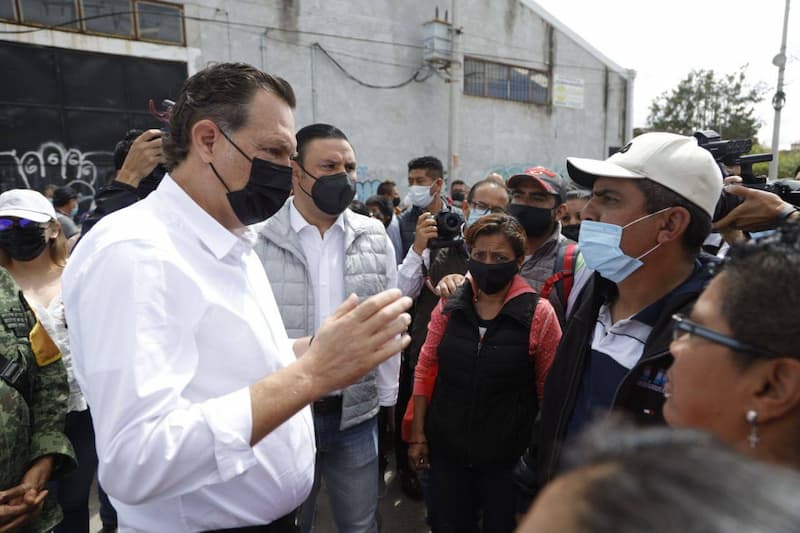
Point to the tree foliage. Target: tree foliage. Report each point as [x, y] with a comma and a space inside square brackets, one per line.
[703, 101]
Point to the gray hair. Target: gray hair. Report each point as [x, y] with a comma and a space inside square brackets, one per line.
[663, 480]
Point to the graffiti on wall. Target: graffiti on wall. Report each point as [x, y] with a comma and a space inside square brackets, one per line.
[367, 183]
[54, 163]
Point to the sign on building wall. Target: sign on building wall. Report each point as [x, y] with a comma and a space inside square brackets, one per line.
[568, 93]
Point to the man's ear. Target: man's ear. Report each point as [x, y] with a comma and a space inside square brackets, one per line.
[560, 212]
[465, 208]
[297, 173]
[439, 184]
[204, 136]
[674, 225]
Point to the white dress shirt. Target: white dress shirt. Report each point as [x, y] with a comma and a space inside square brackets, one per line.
[393, 230]
[325, 258]
[171, 318]
[409, 276]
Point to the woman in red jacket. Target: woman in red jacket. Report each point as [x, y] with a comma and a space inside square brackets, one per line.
[479, 381]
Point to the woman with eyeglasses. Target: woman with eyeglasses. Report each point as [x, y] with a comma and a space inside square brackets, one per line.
[479, 382]
[34, 251]
[737, 354]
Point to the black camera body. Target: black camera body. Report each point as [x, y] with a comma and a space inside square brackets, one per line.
[448, 227]
[731, 152]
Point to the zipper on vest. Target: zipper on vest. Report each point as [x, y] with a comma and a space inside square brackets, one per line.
[474, 393]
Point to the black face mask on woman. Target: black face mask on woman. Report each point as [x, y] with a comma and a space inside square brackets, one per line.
[23, 243]
[537, 221]
[571, 231]
[331, 193]
[492, 278]
[267, 188]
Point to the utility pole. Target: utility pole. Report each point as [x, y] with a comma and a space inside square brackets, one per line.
[456, 77]
[780, 97]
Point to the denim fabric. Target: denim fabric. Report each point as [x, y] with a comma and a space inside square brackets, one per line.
[347, 461]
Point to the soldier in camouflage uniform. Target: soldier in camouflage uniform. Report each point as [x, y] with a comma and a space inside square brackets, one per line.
[33, 405]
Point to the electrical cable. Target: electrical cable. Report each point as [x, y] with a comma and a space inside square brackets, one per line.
[414, 77]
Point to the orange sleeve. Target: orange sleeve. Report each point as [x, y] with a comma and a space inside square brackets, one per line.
[544, 338]
[428, 364]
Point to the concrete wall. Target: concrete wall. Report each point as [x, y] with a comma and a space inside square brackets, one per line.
[387, 127]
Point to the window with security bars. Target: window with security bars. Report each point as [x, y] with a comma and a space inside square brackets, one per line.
[496, 80]
[145, 20]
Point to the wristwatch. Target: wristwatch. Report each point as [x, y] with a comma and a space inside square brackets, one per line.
[786, 213]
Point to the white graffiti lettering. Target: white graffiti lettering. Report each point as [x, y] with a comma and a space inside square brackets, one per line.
[54, 163]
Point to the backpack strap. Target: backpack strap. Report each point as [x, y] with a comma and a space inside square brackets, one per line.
[563, 273]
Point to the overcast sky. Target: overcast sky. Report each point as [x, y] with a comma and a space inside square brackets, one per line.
[663, 41]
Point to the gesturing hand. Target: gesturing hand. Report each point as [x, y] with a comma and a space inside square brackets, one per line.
[356, 338]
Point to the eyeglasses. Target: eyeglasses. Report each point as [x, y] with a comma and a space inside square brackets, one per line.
[480, 206]
[682, 326]
[8, 223]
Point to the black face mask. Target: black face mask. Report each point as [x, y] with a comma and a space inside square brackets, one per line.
[537, 221]
[396, 201]
[571, 231]
[492, 278]
[457, 196]
[332, 193]
[23, 244]
[267, 188]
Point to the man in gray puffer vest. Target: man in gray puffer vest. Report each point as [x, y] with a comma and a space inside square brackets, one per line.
[316, 252]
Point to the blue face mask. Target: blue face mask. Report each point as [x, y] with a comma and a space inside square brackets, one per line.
[599, 243]
[475, 214]
[73, 212]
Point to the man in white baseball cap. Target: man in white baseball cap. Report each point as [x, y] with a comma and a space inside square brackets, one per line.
[641, 232]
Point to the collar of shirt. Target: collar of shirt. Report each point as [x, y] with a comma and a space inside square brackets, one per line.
[213, 235]
[299, 223]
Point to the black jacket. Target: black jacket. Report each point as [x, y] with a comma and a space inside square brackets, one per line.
[113, 197]
[484, 401]
[640, 394]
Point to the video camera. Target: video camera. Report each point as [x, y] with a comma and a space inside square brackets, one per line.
[448, 226]
[732, 152]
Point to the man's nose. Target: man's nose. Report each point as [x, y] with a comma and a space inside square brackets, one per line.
[588, 212]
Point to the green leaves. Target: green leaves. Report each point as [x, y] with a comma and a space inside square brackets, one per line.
[703, 100]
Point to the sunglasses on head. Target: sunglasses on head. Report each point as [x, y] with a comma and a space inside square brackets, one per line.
[8, 223]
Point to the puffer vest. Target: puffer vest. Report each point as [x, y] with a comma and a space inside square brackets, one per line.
[281, 253]
[484, 401]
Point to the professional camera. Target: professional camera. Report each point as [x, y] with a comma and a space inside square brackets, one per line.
[448, 226]
[730, 153]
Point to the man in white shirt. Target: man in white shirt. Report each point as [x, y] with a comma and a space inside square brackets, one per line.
[315, 251]
[198, 395]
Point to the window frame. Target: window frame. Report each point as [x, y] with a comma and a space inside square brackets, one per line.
[181, 18]
[485, 92]
[80, 27]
